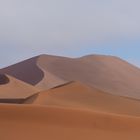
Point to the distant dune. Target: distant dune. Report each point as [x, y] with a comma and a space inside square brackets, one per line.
[59, 98]
[107, 73]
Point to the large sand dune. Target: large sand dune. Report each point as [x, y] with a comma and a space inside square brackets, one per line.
[107, 73]
[103, 105]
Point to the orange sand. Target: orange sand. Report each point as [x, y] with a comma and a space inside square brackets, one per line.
[103, 105]
[53, 123]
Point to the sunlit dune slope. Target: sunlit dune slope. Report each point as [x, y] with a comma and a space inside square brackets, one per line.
[106, 73]
[77, 95]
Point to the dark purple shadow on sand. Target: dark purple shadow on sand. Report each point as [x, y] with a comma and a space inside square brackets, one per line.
[3, 79]
[27, 71]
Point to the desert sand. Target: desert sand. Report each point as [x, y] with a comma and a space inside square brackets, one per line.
[108, 73]
[77, 95]
[14, 90]
[40, 122]
[58, 98]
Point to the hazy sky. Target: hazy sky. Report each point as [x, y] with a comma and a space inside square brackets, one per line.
[70, 28]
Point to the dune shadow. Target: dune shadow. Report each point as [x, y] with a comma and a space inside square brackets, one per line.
[3, 79]
[62, 85]
[11, 101]
[30, 99]
[27, 71]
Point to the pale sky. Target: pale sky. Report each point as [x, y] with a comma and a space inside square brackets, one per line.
[69, 28]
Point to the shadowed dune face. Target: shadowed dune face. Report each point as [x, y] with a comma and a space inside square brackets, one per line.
[11, 101]
[3, 79]
[27, 71]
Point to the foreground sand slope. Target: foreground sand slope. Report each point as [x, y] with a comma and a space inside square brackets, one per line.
[107, 73]
[13, 90]
[54, 123]
[77, 95]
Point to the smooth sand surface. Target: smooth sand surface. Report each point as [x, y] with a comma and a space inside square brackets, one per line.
[77, 95]
[54, 123]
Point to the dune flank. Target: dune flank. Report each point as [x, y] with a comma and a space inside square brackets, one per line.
[77, 95]
[107, 73]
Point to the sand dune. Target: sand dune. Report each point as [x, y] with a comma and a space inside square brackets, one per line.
[13, 90]
[107, 73]
[30, 72]
[77, 95]
[103, 105]
[37, 122]
[26, 71]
